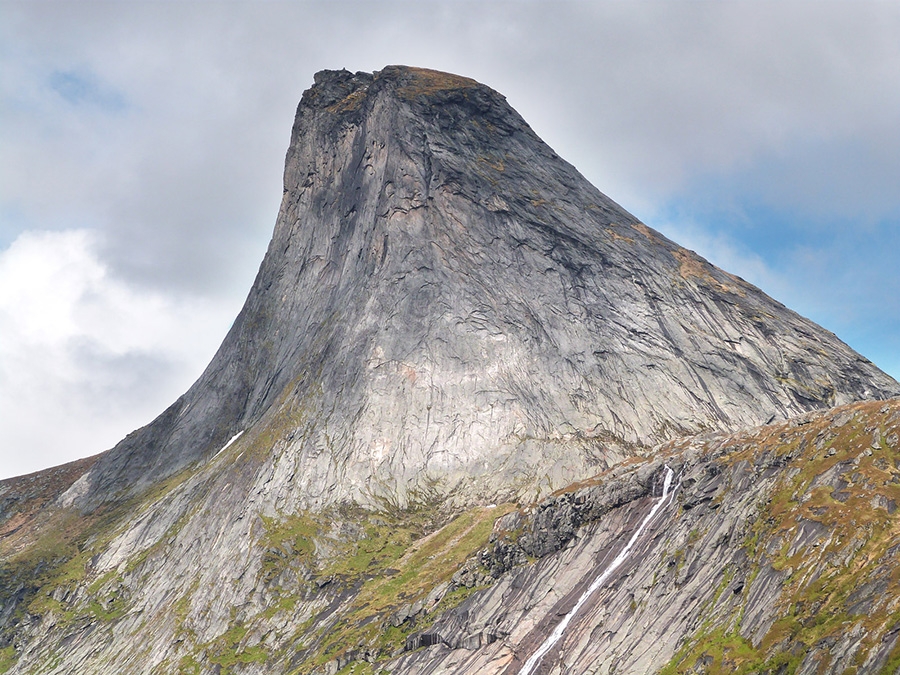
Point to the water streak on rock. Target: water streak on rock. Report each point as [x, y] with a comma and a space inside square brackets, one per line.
[557, 633]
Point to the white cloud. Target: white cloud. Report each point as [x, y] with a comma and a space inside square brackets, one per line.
[723, 251]
[84, 357]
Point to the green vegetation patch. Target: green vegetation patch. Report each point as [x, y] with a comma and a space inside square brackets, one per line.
[55, 566]
[229, 650]
[716, 652]
[8, 658]
[392, 568]
[288, 541]
[841, 475]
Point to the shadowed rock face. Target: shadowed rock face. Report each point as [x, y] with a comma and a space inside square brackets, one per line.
[447, 302]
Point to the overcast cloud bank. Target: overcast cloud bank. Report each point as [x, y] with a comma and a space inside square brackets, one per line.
[86, 358]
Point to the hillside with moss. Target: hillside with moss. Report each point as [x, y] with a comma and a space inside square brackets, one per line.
[778, 554]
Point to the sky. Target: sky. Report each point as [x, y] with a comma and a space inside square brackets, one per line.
[142, 146]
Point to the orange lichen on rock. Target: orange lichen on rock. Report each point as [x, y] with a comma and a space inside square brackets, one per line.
[618, 237]
[690, 265]
[350, 102]
[646, 231]
[496, 164]
[426, 82]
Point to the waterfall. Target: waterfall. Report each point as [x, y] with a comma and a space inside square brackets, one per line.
[557, 633]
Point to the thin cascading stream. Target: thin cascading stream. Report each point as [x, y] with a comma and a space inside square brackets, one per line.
[557, 633]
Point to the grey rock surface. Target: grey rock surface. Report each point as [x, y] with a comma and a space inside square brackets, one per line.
[445, 300]
[753, 551]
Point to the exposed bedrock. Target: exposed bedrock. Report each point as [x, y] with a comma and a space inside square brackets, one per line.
[446, 405]
[765, 562]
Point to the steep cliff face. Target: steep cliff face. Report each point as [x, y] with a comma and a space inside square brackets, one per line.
[449, 325]
[447, 302]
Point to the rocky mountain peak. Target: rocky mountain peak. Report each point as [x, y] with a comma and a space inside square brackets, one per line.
[333, 88]
[445, 303]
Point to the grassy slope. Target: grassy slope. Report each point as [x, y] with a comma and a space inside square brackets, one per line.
[389, 560]
[842, 471]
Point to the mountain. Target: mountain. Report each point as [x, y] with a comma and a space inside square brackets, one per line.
[775, 553]
[378, 468]
[444, 296]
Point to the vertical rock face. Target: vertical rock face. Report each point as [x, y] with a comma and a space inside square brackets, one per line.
[446, 304]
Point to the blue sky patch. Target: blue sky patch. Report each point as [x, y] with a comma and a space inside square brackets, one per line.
[831, 270]
[84, 88]
[13, 222]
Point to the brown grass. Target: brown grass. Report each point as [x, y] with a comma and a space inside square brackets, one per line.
[425, 82]
[690, 265]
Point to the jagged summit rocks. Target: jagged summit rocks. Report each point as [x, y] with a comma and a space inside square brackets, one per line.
[447, 304]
